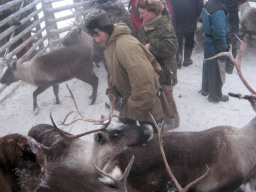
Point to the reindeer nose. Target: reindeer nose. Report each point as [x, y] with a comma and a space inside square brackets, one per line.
[100, 138]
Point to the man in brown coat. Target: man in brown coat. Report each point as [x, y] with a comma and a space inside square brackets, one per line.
[134, 71]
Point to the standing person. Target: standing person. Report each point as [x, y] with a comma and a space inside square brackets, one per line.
[186, 15]
[158, 36]
[215, 25]
[133, 70]
[232, 7]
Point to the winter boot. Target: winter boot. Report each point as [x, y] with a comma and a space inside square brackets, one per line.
[187, 57]
[179, 58]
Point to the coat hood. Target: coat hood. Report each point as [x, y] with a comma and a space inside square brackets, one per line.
[212, 6]
[119, 29]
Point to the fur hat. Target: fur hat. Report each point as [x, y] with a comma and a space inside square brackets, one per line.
[155, 6]
[97, 18]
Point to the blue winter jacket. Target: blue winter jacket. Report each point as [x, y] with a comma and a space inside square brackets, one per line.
[215, 25]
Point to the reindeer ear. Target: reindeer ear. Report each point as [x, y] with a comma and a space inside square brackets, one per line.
[143, 134]
[148, 132]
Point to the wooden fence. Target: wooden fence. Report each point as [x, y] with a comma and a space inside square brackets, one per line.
[33, 26]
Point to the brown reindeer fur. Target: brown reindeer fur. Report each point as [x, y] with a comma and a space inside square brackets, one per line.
[21, 163]
[229, 152]
[64, 179]
[54, 68]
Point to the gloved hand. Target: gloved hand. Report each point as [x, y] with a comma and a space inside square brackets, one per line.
[119, 103]
[198, 26]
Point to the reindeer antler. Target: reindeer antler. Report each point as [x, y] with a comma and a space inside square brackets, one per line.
[176, 183]
[80, 116]
[121, 182]
[250, 98]
[105, 123]
[237, 62]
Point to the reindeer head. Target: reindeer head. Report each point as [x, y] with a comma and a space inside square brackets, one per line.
[7, 76]
[72, 37]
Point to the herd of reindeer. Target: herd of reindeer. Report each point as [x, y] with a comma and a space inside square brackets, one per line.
[123, 158]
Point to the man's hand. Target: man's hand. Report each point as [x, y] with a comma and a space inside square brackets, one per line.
[147, 46]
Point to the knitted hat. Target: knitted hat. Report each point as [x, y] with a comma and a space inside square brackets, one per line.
[97, 18]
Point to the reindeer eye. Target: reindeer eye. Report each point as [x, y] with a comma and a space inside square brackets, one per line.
[97, 137]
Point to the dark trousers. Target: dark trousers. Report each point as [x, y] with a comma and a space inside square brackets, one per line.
[189, 40]
[231, 39]
[211, 80]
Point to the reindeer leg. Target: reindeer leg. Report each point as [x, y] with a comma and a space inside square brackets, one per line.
[35, 94]
[94, 84]
[56, 93]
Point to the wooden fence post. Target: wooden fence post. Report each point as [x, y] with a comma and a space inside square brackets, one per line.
[48, 16]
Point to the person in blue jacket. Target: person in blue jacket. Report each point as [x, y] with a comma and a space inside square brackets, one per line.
[215, 25]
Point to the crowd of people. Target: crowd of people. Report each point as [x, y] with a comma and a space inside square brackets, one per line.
[142, 59]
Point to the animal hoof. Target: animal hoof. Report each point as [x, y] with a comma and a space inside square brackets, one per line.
[36, 111]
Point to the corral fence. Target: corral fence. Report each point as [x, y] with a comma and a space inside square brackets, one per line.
[35, 23]
[32, 27]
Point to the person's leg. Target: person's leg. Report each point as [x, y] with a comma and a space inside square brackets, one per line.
[174, 120]
[215, 84]
[189, 45]
[179, 54]
[231, 39]
[204, 88]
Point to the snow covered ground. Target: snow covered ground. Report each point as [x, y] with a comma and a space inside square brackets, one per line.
[196, 113]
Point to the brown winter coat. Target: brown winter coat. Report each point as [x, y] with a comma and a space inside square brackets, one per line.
[133, 74]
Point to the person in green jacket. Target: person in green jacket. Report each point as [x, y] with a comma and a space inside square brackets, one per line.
[133, 70]
[158, 36]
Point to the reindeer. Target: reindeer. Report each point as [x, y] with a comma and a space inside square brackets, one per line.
[54, 68]
[228, 151]
[65, 150]
[24, 168]
[77, 36]
[248, 20]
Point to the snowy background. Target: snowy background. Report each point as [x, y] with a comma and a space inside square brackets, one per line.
[196, 113]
